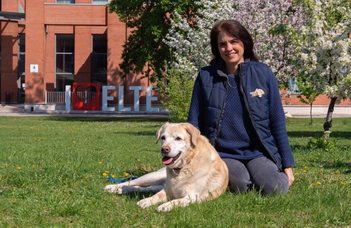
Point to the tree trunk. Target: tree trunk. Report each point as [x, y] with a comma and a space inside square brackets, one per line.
[311, 117]
[328, 120]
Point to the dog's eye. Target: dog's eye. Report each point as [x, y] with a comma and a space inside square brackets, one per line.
[178, 138]
[163, 137]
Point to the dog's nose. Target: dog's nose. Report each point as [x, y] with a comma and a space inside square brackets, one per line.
[165, 149]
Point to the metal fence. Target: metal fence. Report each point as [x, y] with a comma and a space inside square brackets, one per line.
[58, 97]
[55, 97]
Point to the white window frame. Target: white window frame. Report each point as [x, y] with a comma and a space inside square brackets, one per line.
[66, 2]
[101, 2]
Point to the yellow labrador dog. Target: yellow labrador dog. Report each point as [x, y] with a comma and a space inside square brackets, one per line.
[193, 171]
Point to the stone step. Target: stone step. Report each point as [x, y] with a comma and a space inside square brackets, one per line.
[12, 108]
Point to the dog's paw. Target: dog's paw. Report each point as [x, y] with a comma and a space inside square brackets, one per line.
[144, 203]
[166, 207]
[113, 188]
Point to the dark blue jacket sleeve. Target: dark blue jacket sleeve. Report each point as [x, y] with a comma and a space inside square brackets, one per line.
[277, 124]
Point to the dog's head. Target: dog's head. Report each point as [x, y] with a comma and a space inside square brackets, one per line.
[176, 140]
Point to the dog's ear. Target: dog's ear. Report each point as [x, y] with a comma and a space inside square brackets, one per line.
[193, 132]
[158, 133]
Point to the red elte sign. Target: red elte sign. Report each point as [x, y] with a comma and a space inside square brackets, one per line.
[86, 96]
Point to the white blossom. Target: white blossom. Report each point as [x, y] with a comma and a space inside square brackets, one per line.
[328, 46]
[191, 44]
[282, 38]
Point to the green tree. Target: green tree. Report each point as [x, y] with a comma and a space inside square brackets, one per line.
[176, 94]
[307, 94]
[149, 21]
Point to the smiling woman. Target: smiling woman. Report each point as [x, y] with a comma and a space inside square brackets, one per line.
[231, 51]
[236, 105]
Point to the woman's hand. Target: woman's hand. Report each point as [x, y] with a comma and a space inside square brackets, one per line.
[289, 173]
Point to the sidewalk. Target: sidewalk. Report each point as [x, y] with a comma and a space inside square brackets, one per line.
[318, 111]
[291, 111]
[19, 111]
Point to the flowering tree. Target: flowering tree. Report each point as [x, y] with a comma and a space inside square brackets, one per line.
[191, 51]
[271, 23]
[190, 39]
[325, 51]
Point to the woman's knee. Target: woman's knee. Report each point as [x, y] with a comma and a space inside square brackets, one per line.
[272, 188]
[267, 178]
[239, 177]
[238, 185]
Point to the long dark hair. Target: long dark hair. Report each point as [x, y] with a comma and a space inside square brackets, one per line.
[235, 29]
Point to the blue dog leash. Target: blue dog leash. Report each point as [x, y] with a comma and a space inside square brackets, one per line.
[118, 181]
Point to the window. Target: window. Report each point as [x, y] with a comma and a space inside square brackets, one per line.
[65, 1]
[100, 2]
[21, 66]
[64, 61]
[99, 59]
[21, 53]
[21, 6]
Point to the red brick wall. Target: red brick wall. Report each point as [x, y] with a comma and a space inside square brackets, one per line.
[75, 14]
[320, 100]
[9, 54]
[9, 6]
[35, 51]
[9, 60]
[82, 53]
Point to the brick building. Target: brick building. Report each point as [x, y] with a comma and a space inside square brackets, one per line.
[48, 44]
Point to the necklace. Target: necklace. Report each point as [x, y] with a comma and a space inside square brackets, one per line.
[234, 79]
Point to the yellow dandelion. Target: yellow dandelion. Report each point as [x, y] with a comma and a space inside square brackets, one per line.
[305, 169]
[18, 167]
[100, 162]
[126, 174]
[106, 173]
[113, 175]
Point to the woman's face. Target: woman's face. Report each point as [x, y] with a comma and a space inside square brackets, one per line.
[231, 49]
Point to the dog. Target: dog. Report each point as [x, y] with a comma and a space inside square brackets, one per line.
[193, 171]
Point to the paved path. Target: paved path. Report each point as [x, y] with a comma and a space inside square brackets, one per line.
[18, 110]
[291, 111]
[318, 111]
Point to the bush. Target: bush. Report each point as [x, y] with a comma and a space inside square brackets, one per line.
[176, 95]
[321, 143]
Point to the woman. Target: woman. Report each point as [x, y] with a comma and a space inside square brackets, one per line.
[237, 106]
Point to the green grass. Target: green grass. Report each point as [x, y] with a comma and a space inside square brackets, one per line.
[51, 175]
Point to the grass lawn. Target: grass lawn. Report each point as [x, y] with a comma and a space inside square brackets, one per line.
[51, 175]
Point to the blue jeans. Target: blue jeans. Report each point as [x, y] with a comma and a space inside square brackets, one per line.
[259, 173]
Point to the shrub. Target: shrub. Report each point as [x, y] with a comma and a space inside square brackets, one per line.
[176, 95]
[321, 143]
